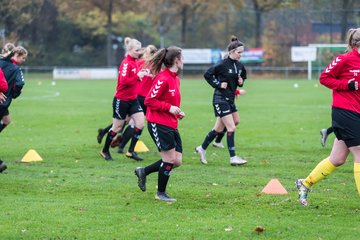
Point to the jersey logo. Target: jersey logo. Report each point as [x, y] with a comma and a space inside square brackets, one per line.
[332, 64]
[155, 90]
[133, 70]
[124, 69]
[230, 70]
[172, 91]
[355, 72]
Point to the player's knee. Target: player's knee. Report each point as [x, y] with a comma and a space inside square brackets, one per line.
[177, 162]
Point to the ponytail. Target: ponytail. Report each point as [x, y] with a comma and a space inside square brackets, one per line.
[164, 56]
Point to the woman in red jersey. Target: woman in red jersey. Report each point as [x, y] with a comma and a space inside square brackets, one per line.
[342, 76]
[125, 100]
[163, 113]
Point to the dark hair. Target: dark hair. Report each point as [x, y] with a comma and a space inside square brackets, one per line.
[164, 56]
[234, 43]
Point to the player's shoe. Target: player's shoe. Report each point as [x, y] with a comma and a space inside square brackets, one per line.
[202, 154]
[235, 161]
[134, 156]
[101, 134]
[140, 173]
[106, 155]
[3, 166]
[116, 140]
[164, 197]
[324, 135]
[303, 192]
[218, 145]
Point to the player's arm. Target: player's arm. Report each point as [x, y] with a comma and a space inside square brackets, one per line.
[19, 83]
[3, 82]
[210, 77]
[153, 100]
[329, 77]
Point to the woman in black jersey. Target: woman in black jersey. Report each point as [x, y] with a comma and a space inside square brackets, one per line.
[225, 77]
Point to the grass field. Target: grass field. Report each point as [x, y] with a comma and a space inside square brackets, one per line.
[75, 194]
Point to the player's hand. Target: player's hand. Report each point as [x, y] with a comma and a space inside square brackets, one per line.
[175, 110]
[353, 84]
[240, 81]
[223, 85]
[181, 115]
[2, 97]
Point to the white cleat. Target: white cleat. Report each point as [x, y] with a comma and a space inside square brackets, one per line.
[218, 145]
[234, 161]
[202, 154]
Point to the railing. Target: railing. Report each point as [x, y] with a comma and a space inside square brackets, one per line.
[198, 70]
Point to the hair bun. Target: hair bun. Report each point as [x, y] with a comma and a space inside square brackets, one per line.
[234, 38]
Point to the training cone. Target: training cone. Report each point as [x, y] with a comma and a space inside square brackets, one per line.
[31, 156]
[141, 147]
[274, 187]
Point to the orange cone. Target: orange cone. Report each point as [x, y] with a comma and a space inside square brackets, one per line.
[274, 187]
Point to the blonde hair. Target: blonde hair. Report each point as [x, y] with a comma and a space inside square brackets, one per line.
[353, 39]
[20, 51]
[6, 50]
[149, 51]
[130, 43]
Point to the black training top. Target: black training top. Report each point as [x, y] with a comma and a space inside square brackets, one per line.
[14, 78]
[229, 71]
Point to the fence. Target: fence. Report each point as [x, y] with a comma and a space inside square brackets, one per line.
[198, 70]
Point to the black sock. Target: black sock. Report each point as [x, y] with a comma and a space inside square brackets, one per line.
[220, 136]
[109, 137]
[231, 143]
[154, 167]
[164, 175]
[328, 131]
[209, 138]
[135, 139]
[128, 134]
[105, 130]
[2, 126]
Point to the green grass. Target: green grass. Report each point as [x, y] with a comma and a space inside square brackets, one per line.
[74, 194]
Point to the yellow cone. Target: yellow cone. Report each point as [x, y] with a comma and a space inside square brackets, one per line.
[31, 156]
[141, 147]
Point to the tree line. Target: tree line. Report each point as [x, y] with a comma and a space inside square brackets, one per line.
[91, 32]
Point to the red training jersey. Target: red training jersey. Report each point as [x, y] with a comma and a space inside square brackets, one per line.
[127, 80]
[164, 93]
[3, 82]
[146, 82]
[336, 77]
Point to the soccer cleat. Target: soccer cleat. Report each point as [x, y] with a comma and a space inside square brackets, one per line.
[3, 166]
[303, 192]
[120, 150]
[324, 135]
[134, 156]
[218, 145]
[106, 155]
[140, 173]
[202, 154]
[101, 134]
[116, 140]
[234, 161]
[164, 197]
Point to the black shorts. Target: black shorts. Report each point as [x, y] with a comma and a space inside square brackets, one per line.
[123, 108]
[165, 138]
[223, 108]
[141, 100]
[4, 112]
[346, 126]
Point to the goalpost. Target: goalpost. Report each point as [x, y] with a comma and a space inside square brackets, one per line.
[318, 54]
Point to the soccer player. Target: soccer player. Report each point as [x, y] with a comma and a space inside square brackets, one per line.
[15, 79]
[162, 115]
[341, 76]
[125, 101]
[225, 77]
